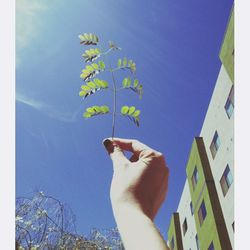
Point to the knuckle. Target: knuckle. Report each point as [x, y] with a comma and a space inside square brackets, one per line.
[135, 141]
[159, 154]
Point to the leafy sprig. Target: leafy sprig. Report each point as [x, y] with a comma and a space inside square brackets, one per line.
[88, 39]
[132, 113]
[92, 85]
[96, 110]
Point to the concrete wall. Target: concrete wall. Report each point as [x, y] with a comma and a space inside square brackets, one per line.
[185, 212]
[217, 120]
[227, 48]
[174, 232]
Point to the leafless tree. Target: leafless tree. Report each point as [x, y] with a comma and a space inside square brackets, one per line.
[43, 222]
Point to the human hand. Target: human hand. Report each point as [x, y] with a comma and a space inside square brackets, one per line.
[140, 182]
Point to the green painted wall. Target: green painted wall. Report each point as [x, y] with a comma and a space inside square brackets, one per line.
[207, 232]
[175, 231]
[227, 48]
[171, 231]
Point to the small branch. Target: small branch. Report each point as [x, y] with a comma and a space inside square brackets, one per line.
[114, 102]
[106, 52]
[118, 68]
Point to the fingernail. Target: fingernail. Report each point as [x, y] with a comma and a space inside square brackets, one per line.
[108, 144]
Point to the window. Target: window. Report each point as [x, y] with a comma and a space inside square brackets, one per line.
[211, 246]
[226, 180]
[197, 242]
[184, 226]
[233, 226]
[172, 244]
[215, 144]
[202, 212]
[195, 177]
[191, 208]
[229, 106]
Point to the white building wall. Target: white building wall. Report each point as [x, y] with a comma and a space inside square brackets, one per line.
[185, 212]
[217, 119]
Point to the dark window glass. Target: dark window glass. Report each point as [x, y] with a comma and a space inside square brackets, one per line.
[202, 212]
[184, 226]
[215, 144]
[191, 208]
[172, 244]
[226, 180]
[211, 246]
[229, 106]
[195, 177]
[197, 242]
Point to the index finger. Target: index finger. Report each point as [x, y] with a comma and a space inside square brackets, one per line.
[131, 145]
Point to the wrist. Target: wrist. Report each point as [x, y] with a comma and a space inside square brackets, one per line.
[128, 212]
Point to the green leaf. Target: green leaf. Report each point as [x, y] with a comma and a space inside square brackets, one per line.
[124, 62]
[85, 71]
[91, 85]
[98, 82]
[104, 84]
[104, 109]
[91, 110]
[89, 68]
[85, 88]
[137, 113]
[136, 82]
[131, 110]
[124, 110]
[102, 65]
[91, 54]
[119, 63]
[124, 82]
[133, 67]
[87, 115]
[82, 93]
[95, 66]
[96, 39]
[97, 109]
[91, 36]
[81, 37]
[88, 39]
[128, 82]
[86, 36]
[97, 51]
[88, 52]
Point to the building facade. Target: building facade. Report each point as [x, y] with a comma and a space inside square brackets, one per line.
[205, 215]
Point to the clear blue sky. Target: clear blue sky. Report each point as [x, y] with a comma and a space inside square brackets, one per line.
[175, 45]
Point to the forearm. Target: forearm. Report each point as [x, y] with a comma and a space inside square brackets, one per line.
[137, 230]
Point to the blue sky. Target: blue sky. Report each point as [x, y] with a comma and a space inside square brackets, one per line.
[175, 45]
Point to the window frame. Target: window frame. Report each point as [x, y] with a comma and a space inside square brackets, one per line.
[172, 245]
[226, 182]
[202, 213]
[197, 242]
[191, 208]
[184, 226]
[229, 105]
[211, 246]
[215, 144]
[195, 177]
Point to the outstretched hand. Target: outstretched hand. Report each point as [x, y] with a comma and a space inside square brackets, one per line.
[139, 182]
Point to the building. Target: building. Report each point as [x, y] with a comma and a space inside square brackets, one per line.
[205, 215]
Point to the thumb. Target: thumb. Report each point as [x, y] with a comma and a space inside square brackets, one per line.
[116, 154]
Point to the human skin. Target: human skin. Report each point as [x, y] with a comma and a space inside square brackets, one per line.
[138, 188]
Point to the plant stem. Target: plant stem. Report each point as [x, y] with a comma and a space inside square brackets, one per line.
[114, 102]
